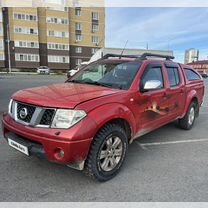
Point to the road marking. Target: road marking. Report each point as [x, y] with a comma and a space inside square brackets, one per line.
[141, 146]
[144, 145]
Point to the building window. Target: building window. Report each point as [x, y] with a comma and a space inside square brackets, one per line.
[95, 39]
[58, 59]
[95, 16]
[57, 46]
[1, 17]
[26, 44]
[78, 50]
[78, 62]
[26, 30]
[1, 30]
[50, 33]
[25, 17]
[27, 57]
[94, 50]
[58, 34]
[78, 11]
[78, 38]
[2, 58]
[54, 20]
[78, 26]
[95, 28]
[1, 44]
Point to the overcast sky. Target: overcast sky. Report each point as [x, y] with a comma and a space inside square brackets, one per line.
[162, 28]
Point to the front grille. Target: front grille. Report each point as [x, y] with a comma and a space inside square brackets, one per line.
[25, 112]
[47, 117]
[32, 115]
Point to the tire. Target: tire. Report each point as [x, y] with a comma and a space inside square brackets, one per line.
[107, 153]
[188, 120]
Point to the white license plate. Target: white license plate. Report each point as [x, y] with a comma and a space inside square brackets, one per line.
[18, 146]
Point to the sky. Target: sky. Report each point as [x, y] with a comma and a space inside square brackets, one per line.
[174, 29]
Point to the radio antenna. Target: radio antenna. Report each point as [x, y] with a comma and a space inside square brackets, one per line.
[124, 48]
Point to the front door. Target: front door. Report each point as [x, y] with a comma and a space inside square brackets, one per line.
[153, 105]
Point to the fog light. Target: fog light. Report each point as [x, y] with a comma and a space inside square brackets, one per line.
[59, 153]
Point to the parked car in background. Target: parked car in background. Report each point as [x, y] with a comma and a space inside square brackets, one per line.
[43, 70]
[88, 122]
[72, 72]
[203, 73]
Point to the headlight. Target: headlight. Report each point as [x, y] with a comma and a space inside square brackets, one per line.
[64, 119]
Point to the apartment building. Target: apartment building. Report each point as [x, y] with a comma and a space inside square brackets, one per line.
[54, 37]
[86, 34]
[2, 54]
[58, 37]
[21, 28]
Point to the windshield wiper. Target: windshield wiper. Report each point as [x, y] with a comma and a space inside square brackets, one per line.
[99, 84]
[109, 85]
[76, 81]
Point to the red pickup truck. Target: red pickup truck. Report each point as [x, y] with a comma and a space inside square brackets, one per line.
[88, 122]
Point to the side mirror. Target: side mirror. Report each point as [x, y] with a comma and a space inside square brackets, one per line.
[151, 85]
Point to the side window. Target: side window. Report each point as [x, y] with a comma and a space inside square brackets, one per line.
[153, 73]
[173, 76]
[191, 75]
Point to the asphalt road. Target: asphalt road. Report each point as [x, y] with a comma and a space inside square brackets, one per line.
[166, 165]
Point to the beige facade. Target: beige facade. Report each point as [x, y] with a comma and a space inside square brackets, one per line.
[86, 26]
[58, 37]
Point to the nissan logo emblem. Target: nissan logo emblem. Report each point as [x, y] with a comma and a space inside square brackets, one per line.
[23, 113]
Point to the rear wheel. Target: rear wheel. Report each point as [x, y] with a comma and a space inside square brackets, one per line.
[188, 120]
[107, 153]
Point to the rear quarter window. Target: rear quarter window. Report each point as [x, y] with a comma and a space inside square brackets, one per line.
[191, 75]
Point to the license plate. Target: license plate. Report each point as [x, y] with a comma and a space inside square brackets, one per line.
[18, 146]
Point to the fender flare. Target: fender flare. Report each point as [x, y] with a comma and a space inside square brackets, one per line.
[191, 95]
[108, 112]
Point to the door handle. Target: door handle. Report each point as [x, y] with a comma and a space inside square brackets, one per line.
[182, 91]
[165, 96]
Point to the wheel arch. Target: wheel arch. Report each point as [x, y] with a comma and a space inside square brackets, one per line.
[114, 113]
[122, 123]
[191, 97]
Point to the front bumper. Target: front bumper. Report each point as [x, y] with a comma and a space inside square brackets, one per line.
[47, 143]
[33, 148]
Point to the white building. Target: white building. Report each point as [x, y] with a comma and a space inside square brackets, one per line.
[103, 51]
[191, 55]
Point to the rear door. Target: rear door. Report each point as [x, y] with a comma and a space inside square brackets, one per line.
[176, 90]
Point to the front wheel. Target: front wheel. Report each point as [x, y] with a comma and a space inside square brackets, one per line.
[188, 120]
[107, 153]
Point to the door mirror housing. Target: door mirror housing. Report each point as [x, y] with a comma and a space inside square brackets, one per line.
[151, 85]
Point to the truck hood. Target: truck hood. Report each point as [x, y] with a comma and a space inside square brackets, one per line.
[66, 95]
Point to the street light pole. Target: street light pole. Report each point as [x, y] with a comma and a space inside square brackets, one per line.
[8, 45]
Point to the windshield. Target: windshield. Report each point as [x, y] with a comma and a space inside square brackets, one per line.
[115, 75]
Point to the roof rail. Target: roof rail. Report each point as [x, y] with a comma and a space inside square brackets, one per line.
[138, 57]
[145, 55]
[108, 55]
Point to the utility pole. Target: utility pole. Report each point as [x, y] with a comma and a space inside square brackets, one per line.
[8, 47]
